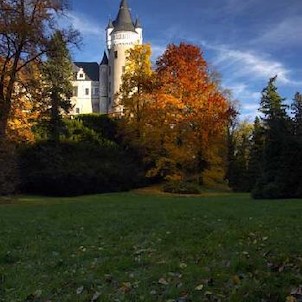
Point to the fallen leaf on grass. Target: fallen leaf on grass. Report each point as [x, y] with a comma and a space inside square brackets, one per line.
[291, 299]
[236, 280]
[126, 287]
[199, 287]
[95, 297]
[297, 291]
[163, 281]
[80, 290]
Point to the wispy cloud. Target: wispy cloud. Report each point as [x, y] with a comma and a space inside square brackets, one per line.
[247, 63]
[284, 34]
[83, 23]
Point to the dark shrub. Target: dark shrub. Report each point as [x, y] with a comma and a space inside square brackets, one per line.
[76, 168]
[103, 125]
[181, 187]
[8, 169]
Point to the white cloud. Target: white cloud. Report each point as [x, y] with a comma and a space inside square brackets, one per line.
[284, 34]
[248, 99]
[84, 24]
[246, 63]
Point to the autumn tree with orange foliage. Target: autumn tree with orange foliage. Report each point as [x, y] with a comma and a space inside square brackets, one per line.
[26, 103]
[25, 28]
[196, 115]
[185, 118]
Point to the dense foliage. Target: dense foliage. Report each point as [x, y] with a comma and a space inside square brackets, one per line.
[266, 159]
[178, 125]
[83, 162]
[57, 75]
[175, 115]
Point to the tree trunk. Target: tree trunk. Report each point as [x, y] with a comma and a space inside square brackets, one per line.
[4, 114]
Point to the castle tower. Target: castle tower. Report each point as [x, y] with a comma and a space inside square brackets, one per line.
[121, 35]
[103, 89]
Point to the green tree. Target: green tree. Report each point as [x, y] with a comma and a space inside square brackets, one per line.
[256, 153]
[297, 144]
[240, 138]
[57, 75]
[25, 27]
[275, 166]
[297, 112]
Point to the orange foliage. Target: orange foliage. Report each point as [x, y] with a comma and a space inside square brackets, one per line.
[184, 116]
[24, 113]
[189, 110]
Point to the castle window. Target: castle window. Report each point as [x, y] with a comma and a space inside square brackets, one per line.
[109, 100]
[109, 87]
[96, 91]
[81, 75]
[115, 54]
[77, 110]
[86, 91]
[75, 91]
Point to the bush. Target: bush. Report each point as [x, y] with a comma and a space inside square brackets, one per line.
[76, 168]
[271, 190]
[103, 125]
[181, 187]
[8, 169]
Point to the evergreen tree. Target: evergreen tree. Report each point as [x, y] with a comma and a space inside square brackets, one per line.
[239, 148]
[297, 111]
[256, 153]
[297, 143]
[57, 74]
[273, 181]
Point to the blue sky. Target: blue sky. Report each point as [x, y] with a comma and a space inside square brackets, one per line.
[246, 41]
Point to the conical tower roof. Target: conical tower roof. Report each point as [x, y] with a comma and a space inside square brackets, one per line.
[123, 21]
[138, 23]
[105, 59]
[110, 24]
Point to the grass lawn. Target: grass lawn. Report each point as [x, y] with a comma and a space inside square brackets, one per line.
[144, 247]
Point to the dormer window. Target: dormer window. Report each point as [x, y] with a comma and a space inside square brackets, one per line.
[81, 75]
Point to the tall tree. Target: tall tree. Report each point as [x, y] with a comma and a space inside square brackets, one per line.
[57, 75]
[256, 153]
[297, 145]
[25, 26]
[135, 93]
[297, 112]
[272, 182]
[192, 114]
[241, 138]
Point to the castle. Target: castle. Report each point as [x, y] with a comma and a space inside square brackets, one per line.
[95, 85]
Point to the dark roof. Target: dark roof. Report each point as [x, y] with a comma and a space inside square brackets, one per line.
[110, 24]
[138, 23]
[91, 70]
[105, 59]
[123, 21]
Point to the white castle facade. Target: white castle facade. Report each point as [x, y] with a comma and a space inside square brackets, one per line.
[95, 85]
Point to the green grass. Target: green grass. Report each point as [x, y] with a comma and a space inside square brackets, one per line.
[144, 247]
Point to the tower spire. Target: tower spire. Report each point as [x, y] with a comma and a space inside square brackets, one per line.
[123, 21]
[124, 4]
